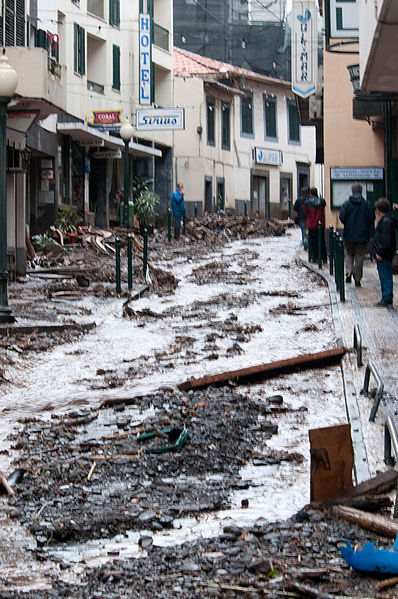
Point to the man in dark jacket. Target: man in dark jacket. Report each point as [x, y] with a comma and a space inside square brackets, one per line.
[357, 216]
[301, 217]
[384, 247]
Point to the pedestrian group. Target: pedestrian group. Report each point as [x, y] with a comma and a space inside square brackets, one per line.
[359, 218]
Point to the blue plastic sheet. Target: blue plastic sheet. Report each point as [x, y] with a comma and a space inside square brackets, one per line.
[370, 559]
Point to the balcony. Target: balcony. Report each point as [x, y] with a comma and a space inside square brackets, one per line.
[46, 90]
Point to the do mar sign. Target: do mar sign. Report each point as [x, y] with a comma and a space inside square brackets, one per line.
[304, 47]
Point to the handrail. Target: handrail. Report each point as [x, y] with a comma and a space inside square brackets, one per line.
[371, 369]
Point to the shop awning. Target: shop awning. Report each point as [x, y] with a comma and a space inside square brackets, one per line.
[85, 134]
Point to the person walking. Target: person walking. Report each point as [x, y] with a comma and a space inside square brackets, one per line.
[314, 209]
[384, 246]
[301, 217]
[178, 208]
[357, 216]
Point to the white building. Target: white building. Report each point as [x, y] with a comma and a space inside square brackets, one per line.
[79, 67]
[242, 147]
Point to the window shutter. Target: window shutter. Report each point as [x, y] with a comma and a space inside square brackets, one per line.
[20, 22]
[75, 47]
[82, 51]
[116, 68]
[9, 22]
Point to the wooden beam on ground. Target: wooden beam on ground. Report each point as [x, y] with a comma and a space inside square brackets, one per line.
[267, 371]
[381, 483]
[378, 524]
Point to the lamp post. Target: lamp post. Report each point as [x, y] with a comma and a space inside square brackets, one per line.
[126, 133]
[8, 85]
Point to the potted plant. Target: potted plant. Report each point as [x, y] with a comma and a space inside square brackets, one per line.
[67, 221]
[144, 207]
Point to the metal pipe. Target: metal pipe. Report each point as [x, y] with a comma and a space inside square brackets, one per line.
[118, 286]
[245, 208]
[320, 245]
[358, 345]
[126, 183]
[145, 253]
[169, 224]
[331, 269]
[129, 262]
[341, 268]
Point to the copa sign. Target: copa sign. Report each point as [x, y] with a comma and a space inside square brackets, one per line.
[304, 48]
[145, 59]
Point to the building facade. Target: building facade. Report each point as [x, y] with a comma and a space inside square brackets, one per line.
[84, 66]
[242, 148]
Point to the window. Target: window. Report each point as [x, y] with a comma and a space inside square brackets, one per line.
[246, 114]
[79, 49]
[270, 118]
[211, 119]
[116, 68]
[114, 12]
[96, 7]
[225, 126]
[12, 23]
[293, 122]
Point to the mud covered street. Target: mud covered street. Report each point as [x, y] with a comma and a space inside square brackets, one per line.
[126, 486]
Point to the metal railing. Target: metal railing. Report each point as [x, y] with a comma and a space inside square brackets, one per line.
[95, 87]
[371, 369]
[391, 443]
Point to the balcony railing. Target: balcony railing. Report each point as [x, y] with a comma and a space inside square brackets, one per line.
[95, 87]
[160, 37]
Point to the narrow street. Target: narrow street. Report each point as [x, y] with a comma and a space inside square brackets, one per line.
[91, 495]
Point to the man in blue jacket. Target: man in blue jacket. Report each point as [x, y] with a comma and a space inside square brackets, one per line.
[178, 208]
[357, 216]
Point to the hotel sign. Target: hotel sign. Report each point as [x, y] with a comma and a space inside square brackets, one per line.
[266, 156]
[145, 59]
[304, 47]
[341, 19]
[160, 119]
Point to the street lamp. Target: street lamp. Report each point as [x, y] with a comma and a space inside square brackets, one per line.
[126, 133]
[8, 85]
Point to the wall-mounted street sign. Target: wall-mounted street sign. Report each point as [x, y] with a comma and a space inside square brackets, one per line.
[108, 155]
[341, 19]
[106, 120]
[145, 59]
[268, 156]
[364, 173]
[21, 120]
[304, 47]
[160, 119]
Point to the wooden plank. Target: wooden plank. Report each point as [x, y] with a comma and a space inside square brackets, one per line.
[266, 371]
[332, 460]
[381, 483]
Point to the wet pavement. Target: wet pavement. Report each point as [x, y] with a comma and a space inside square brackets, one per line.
[220, 329]
[378, 331]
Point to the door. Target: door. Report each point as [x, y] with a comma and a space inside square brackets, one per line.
[220, 194]
[258, 204]
[208, 195]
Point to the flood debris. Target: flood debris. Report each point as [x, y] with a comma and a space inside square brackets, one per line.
[370, 559]
[264, 371]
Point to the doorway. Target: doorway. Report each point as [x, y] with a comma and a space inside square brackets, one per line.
[258, 201]
[208, 194]
[220, 194]
[303, 177]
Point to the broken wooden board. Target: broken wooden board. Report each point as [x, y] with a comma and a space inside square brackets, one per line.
[332, 460]
[266, 371]
[381, 483]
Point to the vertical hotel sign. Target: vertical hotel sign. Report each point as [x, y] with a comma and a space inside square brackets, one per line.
[304, 48]
[145, 58]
